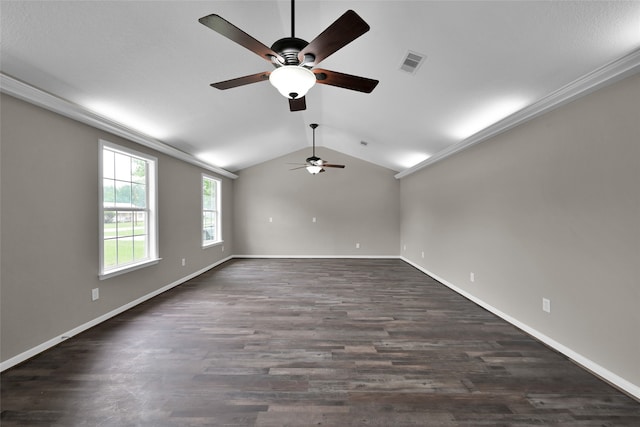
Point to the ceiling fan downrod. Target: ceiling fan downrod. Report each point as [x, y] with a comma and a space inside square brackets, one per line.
[314, 126]
[293, 20]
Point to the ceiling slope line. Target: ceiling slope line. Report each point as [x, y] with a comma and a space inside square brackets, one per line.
[24, 91]
[607, 74]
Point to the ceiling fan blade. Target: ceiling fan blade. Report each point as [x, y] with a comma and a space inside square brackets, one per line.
[300, 167]
[346, 81]
[343, 31]
[233, 33]
[297, 104]
[241, 81]
[329, 165]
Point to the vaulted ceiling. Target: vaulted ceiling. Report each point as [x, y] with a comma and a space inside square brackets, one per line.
[148, 66]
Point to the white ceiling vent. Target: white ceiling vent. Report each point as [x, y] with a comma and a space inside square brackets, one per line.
[412, 61]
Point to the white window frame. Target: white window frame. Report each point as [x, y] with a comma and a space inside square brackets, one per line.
[151, 210]
[218, 217]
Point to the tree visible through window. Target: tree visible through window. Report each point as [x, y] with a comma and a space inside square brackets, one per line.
[210, 211]
[128, 208]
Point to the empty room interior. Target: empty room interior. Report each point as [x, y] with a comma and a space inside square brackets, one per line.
[439, 225]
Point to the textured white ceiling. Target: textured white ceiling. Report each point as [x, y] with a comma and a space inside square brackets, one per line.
[148, 65]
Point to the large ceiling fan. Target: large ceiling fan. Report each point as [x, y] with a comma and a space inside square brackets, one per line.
[314, 164]
[294, 59]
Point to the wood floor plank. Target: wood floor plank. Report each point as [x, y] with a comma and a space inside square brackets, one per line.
[308, 342]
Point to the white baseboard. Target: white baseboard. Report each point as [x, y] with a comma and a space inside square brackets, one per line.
[81, 328]
[319, 256]
[588, 364]
[605, 374]
[75, 331]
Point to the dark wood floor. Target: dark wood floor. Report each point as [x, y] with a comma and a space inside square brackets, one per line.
[308, 343]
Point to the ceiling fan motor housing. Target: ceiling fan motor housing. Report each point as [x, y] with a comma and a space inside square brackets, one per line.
[313, 160]
[288, 48]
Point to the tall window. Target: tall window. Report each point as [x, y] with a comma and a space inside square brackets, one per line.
[127, 210]
[211, 232]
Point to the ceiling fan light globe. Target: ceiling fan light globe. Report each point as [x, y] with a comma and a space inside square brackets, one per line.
[313, 170]
[292, 81]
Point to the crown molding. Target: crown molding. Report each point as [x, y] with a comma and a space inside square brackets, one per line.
[610, 73]
[21, 90]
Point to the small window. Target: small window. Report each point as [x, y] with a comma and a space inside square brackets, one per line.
[211, 232]
[128, 212]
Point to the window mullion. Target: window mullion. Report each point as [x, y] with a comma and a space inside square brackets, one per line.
[129, 241]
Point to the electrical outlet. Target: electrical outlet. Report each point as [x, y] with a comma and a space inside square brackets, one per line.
[546, 305]
[422, 254]
[270, 219]
[184, 262]
[313, 219]
[95, 294]
[404, 248]
[472, 277]
[357, 245]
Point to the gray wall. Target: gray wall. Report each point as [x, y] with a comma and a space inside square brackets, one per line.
[49, 224]
[549, 209]
[358, 204]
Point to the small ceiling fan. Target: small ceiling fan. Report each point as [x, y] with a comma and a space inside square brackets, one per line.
[314, 164]
[294, 58]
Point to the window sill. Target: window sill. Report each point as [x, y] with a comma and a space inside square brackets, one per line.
[212, 244]
[116, 272]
